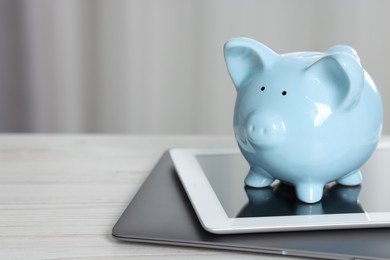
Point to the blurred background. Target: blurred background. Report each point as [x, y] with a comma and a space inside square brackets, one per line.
[157, 67]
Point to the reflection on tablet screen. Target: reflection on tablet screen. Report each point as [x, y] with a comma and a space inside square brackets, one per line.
[226, 175]
[281, 201]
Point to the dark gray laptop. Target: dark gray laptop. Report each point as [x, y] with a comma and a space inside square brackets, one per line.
[161, 213]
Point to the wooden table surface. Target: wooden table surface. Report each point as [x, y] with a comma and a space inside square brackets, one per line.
[60, 195]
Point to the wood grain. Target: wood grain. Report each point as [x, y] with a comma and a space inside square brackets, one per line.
[60, 195]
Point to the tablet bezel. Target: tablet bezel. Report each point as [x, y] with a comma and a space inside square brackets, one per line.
[214, 219]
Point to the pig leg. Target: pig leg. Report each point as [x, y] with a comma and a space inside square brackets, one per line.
[309, 192]
[351, 179]
[258, 178]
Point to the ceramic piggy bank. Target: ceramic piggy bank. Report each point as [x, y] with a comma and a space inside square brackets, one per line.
[306, 118]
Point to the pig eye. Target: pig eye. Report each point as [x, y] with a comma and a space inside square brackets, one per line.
[284, 93]
[262, 88]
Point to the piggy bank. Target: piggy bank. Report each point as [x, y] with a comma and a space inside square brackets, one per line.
[304, 118]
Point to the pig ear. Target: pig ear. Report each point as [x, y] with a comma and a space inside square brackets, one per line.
[245, 57]
[343, 49]
[343, 75]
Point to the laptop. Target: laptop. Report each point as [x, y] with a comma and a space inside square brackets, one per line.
[161, 213]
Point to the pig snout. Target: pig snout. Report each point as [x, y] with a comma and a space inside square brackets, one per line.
[265, 129]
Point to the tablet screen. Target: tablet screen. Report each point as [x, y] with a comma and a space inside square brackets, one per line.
[226, 174]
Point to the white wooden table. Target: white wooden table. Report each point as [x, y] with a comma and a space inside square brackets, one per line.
[60, 195]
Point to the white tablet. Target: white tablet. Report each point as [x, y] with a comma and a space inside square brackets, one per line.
[214, 183]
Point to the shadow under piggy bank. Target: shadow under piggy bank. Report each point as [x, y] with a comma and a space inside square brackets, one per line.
[282, 201]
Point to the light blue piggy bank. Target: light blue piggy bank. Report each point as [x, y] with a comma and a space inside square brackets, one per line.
[306, 118]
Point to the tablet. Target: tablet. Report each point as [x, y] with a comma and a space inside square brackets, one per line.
[214, 182]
